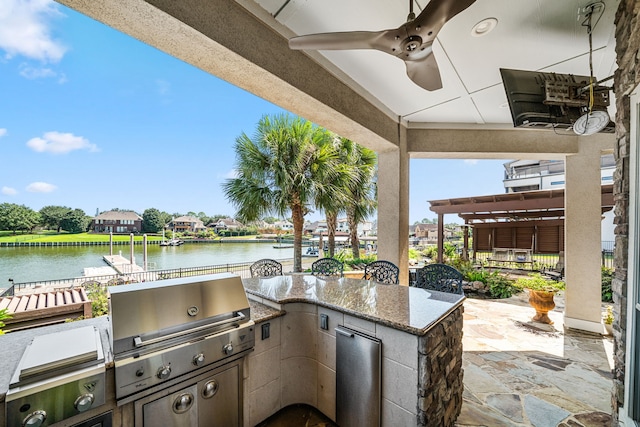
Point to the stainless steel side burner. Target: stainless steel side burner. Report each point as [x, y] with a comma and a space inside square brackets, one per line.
[169, 335]
[60, 375]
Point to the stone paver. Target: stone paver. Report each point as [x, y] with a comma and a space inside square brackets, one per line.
[519, 373]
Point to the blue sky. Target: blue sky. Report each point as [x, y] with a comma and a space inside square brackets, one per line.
[93, 119]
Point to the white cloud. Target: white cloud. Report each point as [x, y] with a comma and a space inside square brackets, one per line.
[8, 191]
[33, 73]
[60, 143]
[41, 187]
[471, 161]
[24, 30]
[3, 132]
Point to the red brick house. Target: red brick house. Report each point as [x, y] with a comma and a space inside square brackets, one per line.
[123, 222]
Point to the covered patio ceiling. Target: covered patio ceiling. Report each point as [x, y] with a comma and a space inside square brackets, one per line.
[366, 95]
[512, 207]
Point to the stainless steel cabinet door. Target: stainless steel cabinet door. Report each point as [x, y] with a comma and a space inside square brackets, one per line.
[179, 409]
[220, 399]
[358, 385]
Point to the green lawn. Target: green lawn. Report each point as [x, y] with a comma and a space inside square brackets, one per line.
[52, 236]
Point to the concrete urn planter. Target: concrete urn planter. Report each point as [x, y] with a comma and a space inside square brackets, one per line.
[542, 302]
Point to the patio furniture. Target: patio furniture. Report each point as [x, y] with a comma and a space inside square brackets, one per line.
[383, 272]
[511, 256]
[439, 277]
[327, 267]
[266, 268]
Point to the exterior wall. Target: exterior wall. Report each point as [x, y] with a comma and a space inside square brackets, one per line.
[626, 78]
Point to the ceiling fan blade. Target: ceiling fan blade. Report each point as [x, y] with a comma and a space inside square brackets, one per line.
[425, 73]
[345, 40]
[434, 16]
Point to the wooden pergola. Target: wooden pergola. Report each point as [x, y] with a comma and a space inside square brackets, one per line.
[499, 217]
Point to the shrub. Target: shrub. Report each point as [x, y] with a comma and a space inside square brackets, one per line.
[99, 301]
[4, 315]
[536, 282]
[346, 257]
[500, 286]
[431, 252]
[476, 275]
[414, 254]
[607, 278]
[463, 266]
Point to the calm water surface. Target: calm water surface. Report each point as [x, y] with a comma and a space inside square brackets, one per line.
[27, 264]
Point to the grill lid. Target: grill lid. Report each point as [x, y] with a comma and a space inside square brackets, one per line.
[57, 353]
[154, 311]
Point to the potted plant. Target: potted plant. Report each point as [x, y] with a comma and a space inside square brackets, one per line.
[541, 293]
[607, 319]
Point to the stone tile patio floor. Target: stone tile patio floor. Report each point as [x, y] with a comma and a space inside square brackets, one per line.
[520, 373]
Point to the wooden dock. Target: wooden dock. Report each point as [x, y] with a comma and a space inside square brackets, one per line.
[122, 265]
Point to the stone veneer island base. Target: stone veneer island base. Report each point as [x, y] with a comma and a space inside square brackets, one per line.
[420, 330]
[440, 384]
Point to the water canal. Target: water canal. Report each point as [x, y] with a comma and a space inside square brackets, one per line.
[27, 264]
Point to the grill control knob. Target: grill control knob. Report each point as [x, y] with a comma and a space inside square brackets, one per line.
[164, 372]
[140, 372]
[227, 349]
[35, 419]
[83, 402]
[198, 359]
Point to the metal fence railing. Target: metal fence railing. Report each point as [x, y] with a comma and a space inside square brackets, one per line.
[546, 261]
[117, 279]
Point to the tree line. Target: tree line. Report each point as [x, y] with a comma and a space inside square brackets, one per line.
[15, 218]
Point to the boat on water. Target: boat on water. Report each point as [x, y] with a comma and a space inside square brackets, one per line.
[280, 246]
[311, 252]
[172, 242]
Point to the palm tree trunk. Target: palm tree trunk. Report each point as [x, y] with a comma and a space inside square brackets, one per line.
[332, 224]
[298, 225]
[353, 235]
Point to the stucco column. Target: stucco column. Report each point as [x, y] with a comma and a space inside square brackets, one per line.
[393, 208]
[583, 202]
[440, 238]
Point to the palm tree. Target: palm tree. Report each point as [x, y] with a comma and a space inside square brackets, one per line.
[277, 172]
[361, 189]
[352, 191]
[332, 197]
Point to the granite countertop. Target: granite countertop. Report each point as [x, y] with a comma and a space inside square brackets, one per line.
[409, 309]
[262, 313]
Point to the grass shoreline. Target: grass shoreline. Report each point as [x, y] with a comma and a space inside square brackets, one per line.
[54, 237]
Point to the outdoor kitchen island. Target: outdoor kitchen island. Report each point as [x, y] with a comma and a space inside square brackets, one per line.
[294, 360]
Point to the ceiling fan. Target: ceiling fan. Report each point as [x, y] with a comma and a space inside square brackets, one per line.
[412, 41]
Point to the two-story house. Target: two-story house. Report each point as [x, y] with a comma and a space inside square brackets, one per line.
[186, 223]
[283, 225]
[227, 224]
[117, 222]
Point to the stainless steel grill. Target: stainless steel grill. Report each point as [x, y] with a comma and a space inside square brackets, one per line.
[60, 375]
[172, 337]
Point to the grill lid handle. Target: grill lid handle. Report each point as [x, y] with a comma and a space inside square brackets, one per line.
[138, 342]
